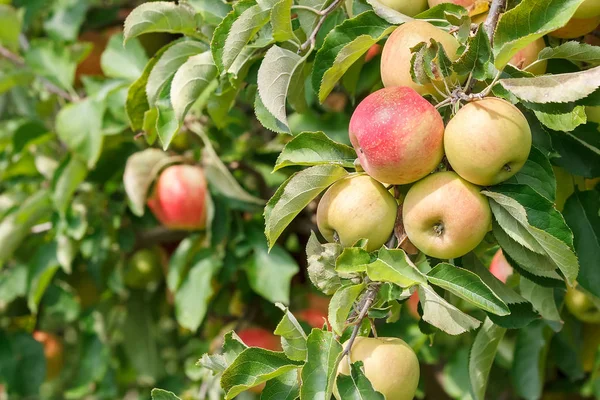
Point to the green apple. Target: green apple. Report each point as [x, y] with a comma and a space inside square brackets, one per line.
[390, 364]
[396, 56]
[593, 114]
[357, 207]
[487, 141]
[581, 306]
[406, 7]
[591, 343]
[445, 216]
[398, 135]
[144, 267]
[588, 9]
[577, 27]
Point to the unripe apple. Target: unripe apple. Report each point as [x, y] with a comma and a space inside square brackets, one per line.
[144, 267]
[487, 141]
[396, 56]
[390, 364]
[499, 267]
[53, 352]
[259, 337]
[576, 27]
[314, 318]
[591, 343]
[593, 114]
[179, 198]
[581, 306]
[565, 186]
[588, 9]
[528, 55]
[406, 7]
[446, 216]
[397, 135]
[357, 207]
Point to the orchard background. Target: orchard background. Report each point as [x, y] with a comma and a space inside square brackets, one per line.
[183, 214]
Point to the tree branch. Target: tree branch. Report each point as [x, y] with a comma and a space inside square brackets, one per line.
[366, 303]
[310, 42]
[491, 22]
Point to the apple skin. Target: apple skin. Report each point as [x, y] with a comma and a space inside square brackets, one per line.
[576, 27]
[179, 198]
[357, 207]
[591, 342]
[581, 306]
[53, 352]
[413, 305]
[487, 141]
[588, 9]
[500, 268]
[396, 56]
[528, 55]
[145, 267]
[593, 114]
[373, 52]
[445, 216]
[397, 135]
[406, 7]
[390, 364]
[259, 337]
[314, 318]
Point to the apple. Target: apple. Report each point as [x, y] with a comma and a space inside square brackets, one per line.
[357, 207]
[581, 306]
[390, 364]
[179, 198]
[396, 56]
[373, 52]
[528, 55]
[588, 9]
[397, 135]
[593, 114]
[259, 337]
[413, 305]
[591, 342]
[499, 267]
[577, 27]
[314, 318]
[445, 216]
[565, 186]
[406, 7]
[487, 141]
[145, 267]
[53, 352]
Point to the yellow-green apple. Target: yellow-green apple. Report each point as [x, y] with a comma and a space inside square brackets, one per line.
[445, 216]
[144, 267]
[179, 198]
[357, 207]
[406, 7]
[581, 306]
[528, 55]
[390, 364]
[591, 343]
[593, 114]
[499, 267]
[259, 337]
[53, 352]
[396, 56]
[588, 9]
[565, 186]
[397, 135]
[577, 27]
[487, 141]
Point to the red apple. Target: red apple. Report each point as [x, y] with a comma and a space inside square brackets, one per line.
[373, 52]
[413, 305]
[397, 135]
[53, 351]
[500, 267]
[259, 337]
[179, 198]
[314, 318]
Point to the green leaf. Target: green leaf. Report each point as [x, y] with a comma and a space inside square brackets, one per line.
[11, 21]
[528, 369]
[566, 122]
[467, 286]
[141, 170]
[274, 80]
[481, 357]
[341, 304]
[52, 61]
[320, 371]
[66, 181]
[281, 21]
[66, 20]
[315, 148]
[343, 46]
[394, 266]
[572, 51]
[79, 125]
[167, 65]
[527, 22]
[476, 57]
[123, 61]
[270, 274]
[284, 387]
[191, 300]
[579, 151]
[160, 16]
[582, 213]
[232, 347]
[443, 315]
[352, 260]
[252, 367]
[159, 394]
[387, 13]
[308, 19]
[188, 249]
[295, 194]
[211, 11]
[541, 297]
[321, 264]
[539, 227]
[267, 119]
[356, 386]
[42, 268]
[558, 88]
[537, 173]
[293, 338]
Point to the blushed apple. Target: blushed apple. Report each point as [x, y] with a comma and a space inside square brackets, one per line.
[259, 337]
[487, 141]
[397, 135]
[179, 198]
[357, 207]
[390, 364]
[528, 55]
[406, 7]
[499, 267]
[396, 56]
[445, 216]
[313, 317]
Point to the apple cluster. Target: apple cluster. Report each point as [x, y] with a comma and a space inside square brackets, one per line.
[400, 139]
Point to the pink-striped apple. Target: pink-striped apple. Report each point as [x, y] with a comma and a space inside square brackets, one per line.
[357, 207]
[445, 216]
[397, 135]
[179, 198]
[487, 141]
[396, 56]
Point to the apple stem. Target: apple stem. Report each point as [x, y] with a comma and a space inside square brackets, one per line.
[365, 304]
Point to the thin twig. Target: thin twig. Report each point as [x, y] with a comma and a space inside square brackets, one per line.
[310, 42]
[490, 23]
[367, 302]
